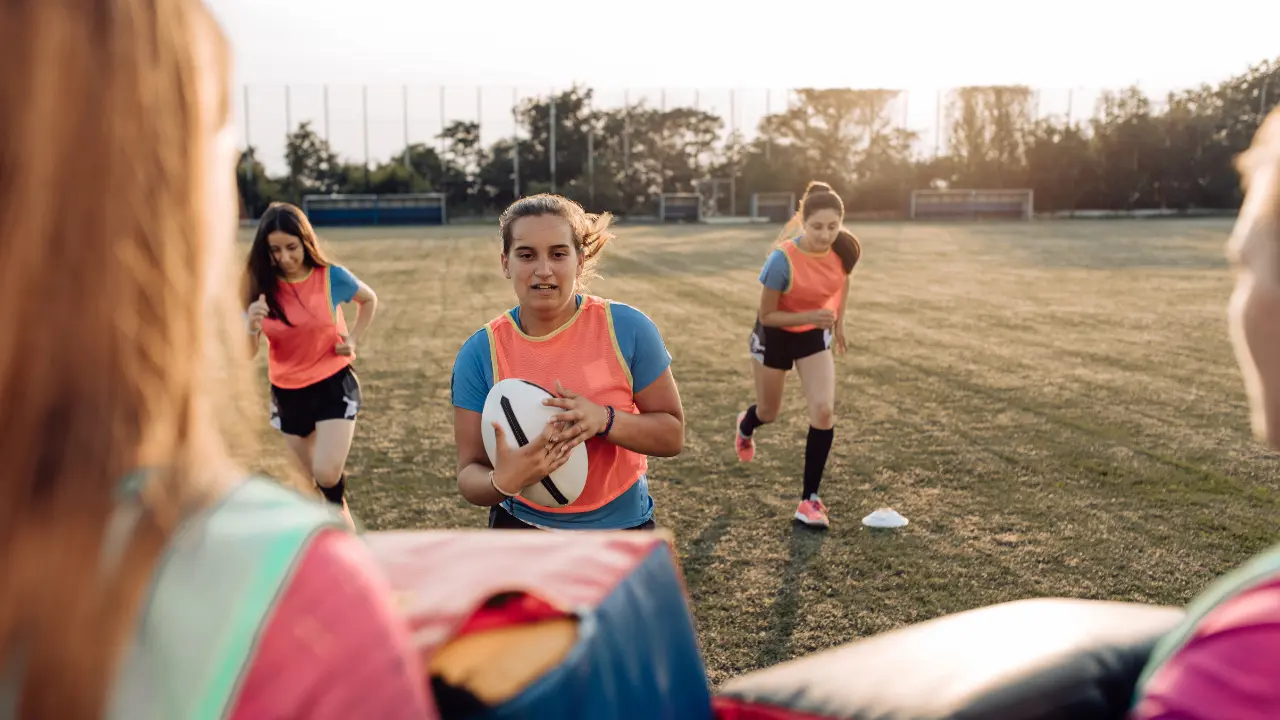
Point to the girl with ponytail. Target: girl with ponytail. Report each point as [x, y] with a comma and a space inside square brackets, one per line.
[802, 310]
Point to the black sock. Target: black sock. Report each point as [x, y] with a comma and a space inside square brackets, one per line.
[750, 421]
[816, 449]
[334, 494]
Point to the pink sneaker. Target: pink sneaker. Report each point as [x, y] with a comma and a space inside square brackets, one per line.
[813, 513]
[745, 446]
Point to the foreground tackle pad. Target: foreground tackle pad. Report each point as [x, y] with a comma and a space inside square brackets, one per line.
[1027, 660]
[518, 624]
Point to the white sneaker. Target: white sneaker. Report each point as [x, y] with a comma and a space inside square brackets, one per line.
[884, 518]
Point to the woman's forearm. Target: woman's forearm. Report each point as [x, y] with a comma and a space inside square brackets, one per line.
[779, 318]
[364, 317]
[475, 487]
[657, 434]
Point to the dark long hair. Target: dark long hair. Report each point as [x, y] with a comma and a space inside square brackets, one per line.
[260, 269]
[821, 196]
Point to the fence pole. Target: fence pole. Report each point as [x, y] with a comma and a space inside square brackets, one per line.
[364, 105]
[247, 142]
[250, 154]
[937, 133]
[404, 104]
[551, 105]
[768, 139]
[515, 143]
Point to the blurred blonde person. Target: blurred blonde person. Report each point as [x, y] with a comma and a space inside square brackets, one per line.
[1224, 660]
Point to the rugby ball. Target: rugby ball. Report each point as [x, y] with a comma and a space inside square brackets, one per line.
[517, 406]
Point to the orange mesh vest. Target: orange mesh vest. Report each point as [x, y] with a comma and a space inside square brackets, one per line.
[816, 280]
[304, 354]
[583, 355]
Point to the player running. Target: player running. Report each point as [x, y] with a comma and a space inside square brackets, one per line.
[294, 293]
[802, 309]
[605, 361]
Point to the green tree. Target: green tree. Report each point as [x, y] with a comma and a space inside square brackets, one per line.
[313, 166]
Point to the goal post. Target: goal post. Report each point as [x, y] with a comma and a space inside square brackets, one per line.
[776, 207]
[680, 207]
[364, 210]
[719, 197]
[972, 204]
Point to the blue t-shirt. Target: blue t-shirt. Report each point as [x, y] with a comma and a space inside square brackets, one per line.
[776, 273]
[343, 285]
[647, 357]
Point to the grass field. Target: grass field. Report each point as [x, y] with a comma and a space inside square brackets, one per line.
[1054, 406]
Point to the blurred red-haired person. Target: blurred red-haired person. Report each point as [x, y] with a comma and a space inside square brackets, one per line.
[144, 575]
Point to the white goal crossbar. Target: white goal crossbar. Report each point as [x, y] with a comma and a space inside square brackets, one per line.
[972, 204]
[680, 207]
[775, 206]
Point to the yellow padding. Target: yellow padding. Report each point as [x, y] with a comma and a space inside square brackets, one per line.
[495, 665]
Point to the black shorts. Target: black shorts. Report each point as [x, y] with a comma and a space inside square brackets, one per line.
[500, 519]
[780, 349]
[296, 411]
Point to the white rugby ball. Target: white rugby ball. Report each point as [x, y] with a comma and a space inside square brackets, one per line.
[517, 406]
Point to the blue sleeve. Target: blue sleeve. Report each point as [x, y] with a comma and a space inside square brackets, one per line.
[776, 274]
[343, 284]
[472, 373]
[641, 345]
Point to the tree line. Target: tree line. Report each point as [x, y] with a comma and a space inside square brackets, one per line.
[1128, 155]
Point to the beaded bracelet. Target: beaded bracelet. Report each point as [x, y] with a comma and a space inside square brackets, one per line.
[494, 483]
[608, 427]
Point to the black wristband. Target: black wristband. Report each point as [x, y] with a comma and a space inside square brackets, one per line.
[608, 427]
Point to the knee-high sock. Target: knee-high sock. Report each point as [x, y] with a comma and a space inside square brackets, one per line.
[816, 449]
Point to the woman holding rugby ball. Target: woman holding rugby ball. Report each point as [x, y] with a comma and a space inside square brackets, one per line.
[294, 294]
[605, 362]
[802, 309]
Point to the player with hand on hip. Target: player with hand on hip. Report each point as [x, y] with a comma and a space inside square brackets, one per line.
[802, 310]
[295, 294]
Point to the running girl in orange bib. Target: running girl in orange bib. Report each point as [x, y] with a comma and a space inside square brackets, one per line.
[802, 309]
[605, 361]
[294, 295]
